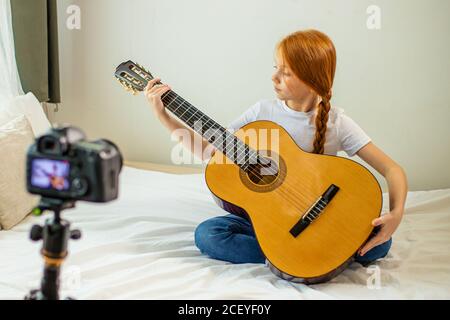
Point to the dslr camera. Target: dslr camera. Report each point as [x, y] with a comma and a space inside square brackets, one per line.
[62, 165]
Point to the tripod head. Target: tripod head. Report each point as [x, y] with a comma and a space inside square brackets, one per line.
[55, 235]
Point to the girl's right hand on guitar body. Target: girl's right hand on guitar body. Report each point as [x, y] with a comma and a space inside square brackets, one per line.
[153, 93]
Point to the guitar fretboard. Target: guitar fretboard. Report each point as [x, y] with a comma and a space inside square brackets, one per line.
[223, 140]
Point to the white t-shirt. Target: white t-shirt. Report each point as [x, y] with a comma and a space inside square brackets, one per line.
[343, 134]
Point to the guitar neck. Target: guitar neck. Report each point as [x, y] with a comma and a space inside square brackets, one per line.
[214, 133]
[135, 78]
[190, 115]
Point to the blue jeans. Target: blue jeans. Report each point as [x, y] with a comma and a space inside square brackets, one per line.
[231, 238]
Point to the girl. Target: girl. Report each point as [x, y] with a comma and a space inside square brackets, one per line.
[303, 80]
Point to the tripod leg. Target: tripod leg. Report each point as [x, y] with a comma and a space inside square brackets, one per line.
[50, 282]
[55, 235]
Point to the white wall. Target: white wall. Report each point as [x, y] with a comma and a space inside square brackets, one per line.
[218, 55]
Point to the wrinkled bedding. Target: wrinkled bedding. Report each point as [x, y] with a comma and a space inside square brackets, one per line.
[141, 246]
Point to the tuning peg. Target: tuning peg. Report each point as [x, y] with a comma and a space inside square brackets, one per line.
[140, 66]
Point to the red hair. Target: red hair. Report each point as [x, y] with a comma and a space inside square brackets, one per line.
[311, 55]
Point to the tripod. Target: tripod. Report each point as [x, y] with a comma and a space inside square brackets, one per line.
[55, 235]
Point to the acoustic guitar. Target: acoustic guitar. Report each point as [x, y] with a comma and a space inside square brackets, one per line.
[310, 212]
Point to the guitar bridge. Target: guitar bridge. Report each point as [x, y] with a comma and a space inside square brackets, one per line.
[314, 211]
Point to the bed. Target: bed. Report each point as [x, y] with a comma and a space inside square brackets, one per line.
[141, 246]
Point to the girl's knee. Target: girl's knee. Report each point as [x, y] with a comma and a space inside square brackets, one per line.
[375, 253]
[199, 235]
[205, 231]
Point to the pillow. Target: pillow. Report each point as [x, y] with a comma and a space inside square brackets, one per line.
[5, 115]
[15, 202]
[30, 107]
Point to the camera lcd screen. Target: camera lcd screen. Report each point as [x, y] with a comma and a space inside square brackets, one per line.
[50, 174]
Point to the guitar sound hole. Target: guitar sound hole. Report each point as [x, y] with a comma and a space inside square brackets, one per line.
[264, 173]
[264, 176]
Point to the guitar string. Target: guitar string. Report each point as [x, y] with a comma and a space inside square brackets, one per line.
[292, 196]
[292, 199]
[288, 196]
[241, 146]
[193, 116]
[240, 156]
[241, 149]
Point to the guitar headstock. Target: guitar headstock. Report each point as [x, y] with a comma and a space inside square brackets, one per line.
[132, 77]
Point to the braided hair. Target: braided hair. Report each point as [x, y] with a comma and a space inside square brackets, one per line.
[312, 57]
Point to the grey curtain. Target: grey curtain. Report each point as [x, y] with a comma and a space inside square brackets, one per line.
[35, 31]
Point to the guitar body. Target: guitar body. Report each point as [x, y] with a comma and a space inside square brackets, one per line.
[329, 243]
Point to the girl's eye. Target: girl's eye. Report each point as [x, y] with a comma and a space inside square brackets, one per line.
[283, 73]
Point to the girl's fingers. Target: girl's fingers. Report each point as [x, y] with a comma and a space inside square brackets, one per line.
[378, 221]
[151, 84]
[160, 91]
[157, 93]
[369, 245]
[155, 88]
[380, 238]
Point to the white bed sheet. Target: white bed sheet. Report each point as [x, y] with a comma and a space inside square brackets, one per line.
[141, 246]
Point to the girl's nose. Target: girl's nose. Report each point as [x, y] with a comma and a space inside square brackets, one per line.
[275, 78]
